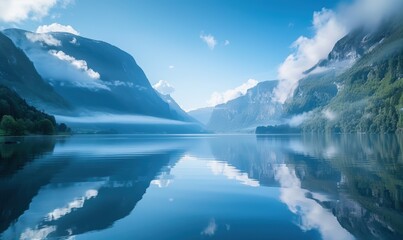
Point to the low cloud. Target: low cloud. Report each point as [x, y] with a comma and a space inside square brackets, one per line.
[43, 38]
[56, 27]
[209, 40]
[120, 119]
[219, 98]
[66, 3]
[297, 120]
[16, 11]
[329, 115]
[171, 67]
[164, 87]
[79, 64]
[329, 26]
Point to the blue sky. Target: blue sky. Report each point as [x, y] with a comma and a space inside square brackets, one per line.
[164, 37]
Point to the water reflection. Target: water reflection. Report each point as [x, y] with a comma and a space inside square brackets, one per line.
[77, 194]
[307, 206]
[370, 182]
[16, 191]
[332, 183]
[196, 187]
[362, 172]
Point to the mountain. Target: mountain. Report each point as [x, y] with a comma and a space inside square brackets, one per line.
[91, 75]
[202, 115]
[81, 78]
[315, 90]
[359, 87]
[174, 107]
[320, 85]
[244, 113]
[18, 73]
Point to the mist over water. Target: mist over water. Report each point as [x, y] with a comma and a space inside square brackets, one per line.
[202, 186]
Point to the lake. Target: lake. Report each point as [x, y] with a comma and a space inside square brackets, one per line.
[202, 187]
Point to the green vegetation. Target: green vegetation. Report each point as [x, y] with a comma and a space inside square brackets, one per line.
[19, 118]
[370, 95]
[279, 129]
[316, 90]
[371, 99]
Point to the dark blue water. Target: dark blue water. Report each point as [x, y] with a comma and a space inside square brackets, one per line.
[202, 187]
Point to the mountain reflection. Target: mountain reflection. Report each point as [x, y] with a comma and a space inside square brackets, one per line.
[16, 191]
[94, 191]
[331, 183]
[371, 195]
[300, 187]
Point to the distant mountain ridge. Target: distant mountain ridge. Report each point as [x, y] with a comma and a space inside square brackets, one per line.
[246, 112]
[202, 115]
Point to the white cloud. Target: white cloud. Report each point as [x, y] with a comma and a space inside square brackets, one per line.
[368, 12]
[43, 38]
[118, 83]
[329, 27]
[226, 42]
[219, 98]
[209, 40]
[74, 41]
[66, 3]
[119, 119]
[297, 120]
[15, 11]
[308, 51]
[79, 64]
[56, 27]
[171, 67]
[164, 87]
[329, 115]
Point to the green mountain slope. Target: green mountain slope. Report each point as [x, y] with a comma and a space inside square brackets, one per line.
[371, 92]
[18, 118]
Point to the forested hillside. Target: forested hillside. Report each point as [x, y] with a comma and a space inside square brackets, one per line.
[359, 87]
[371, 94]
[19, 118]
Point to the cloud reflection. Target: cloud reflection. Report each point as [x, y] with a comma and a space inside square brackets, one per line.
[222, 168]
[76, 203]
[210, 229]
[42, 232]
[312, 214]
[37, 234]
[163, 180]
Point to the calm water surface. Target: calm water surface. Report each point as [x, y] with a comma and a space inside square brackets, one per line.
[202, 187]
